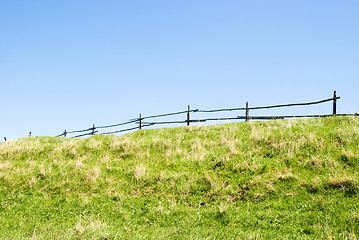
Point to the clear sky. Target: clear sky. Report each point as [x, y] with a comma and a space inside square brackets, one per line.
[69, 64]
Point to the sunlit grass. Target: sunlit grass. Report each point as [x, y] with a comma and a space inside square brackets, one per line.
[254, 180]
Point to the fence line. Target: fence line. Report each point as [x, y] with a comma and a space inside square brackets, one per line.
[168, 114]
[118, 124]
[119, 131]
[141, 124]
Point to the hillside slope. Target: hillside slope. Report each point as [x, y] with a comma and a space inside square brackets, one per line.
[277, 179]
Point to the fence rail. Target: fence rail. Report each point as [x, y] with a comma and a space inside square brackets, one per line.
[142, 124]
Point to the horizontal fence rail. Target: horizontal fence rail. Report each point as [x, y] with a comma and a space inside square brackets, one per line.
[140, 123]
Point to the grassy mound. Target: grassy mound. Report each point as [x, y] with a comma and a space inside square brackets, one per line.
[254, 180]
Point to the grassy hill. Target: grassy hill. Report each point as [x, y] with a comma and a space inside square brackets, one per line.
[294, 179]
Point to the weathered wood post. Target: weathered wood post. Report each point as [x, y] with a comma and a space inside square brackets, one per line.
[65, 133]
[188, 118]
[335, 103]
[140, 121]
[247, 112]
[30, 134]
[93, 129]
[5, 139]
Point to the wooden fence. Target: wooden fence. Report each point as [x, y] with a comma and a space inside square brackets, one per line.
[146, 121]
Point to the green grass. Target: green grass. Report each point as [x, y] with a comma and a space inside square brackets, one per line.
[294, 179]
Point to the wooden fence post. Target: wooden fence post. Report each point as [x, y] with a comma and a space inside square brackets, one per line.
[5, 139]
[30, 134]
[247, 112]
[93, 129]
[140, 121]
[188, 118]
[335, 103]
[65, 133]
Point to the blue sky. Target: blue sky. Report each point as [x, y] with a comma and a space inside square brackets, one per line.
[69, 64]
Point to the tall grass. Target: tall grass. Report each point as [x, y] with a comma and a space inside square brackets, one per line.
[253, 180]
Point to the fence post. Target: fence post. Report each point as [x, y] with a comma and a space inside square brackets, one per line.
[93, 129]
[65, 133]
[188, 118]
[140, 121]
[335, 103]
[247, 112]
[5, 139]
[30, 134]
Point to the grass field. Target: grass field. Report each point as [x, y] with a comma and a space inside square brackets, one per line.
[295, 179]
